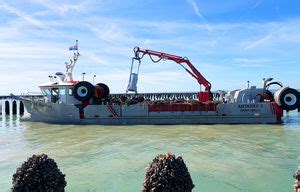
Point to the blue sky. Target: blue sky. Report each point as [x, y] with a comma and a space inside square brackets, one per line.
[229, 42]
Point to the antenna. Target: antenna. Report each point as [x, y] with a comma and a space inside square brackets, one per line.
[83, 76]
[94, 79]
[70, 66]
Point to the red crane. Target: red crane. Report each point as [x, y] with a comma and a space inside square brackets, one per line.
[202, 95]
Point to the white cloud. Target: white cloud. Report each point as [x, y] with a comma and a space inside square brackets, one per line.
[259, 42]
[29, 50]
[198, 13]
[109, 32]
[94, 57]
[196, 8]
[273, 35]
[24, 16]
[38, 42]
[257, 3]
[62, 8]
[252, 62]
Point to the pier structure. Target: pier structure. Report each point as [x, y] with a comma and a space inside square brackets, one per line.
[11, 106]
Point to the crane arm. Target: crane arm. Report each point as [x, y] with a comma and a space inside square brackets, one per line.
[140, 53]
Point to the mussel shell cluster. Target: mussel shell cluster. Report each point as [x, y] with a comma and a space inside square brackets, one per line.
[39, 173]
[123, 100]
[167, 173]
[297, 181]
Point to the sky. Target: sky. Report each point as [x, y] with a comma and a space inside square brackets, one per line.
[230, 42]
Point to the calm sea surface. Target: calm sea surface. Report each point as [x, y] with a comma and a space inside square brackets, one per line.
[225, 158]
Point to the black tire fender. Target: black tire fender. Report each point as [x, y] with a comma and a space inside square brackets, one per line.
[287, 98]
[83, 90]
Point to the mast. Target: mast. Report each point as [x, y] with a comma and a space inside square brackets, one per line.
[71, 64]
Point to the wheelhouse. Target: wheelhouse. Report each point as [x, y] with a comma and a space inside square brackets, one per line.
[59, 93]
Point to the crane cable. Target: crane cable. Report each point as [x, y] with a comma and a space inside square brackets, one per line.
[155, 61]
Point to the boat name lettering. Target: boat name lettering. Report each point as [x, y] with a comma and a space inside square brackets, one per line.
[250, 106]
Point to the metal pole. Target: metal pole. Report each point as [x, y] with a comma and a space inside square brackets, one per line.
[83, 76]
[94, 79]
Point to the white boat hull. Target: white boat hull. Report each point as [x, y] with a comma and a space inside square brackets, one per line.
[258, 113]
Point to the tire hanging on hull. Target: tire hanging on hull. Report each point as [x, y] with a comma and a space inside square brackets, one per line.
[287, 98]
[83, 91]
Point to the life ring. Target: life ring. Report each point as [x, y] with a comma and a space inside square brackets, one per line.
[83, 90]
[287, 98]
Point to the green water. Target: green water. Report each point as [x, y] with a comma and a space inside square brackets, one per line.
[225, 158]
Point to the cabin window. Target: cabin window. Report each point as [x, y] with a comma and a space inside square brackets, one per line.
[54, 91]
[62, 91]
[70, 91]
[54, 95]
[46, 92]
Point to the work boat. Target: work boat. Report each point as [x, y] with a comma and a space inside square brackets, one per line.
[80, 102]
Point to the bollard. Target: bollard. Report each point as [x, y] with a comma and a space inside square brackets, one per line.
[297, 181]
[167, 173]
[39, 173]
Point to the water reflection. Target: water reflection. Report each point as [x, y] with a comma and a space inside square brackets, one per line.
[291, 119]
[113, 158]
[10, 122]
